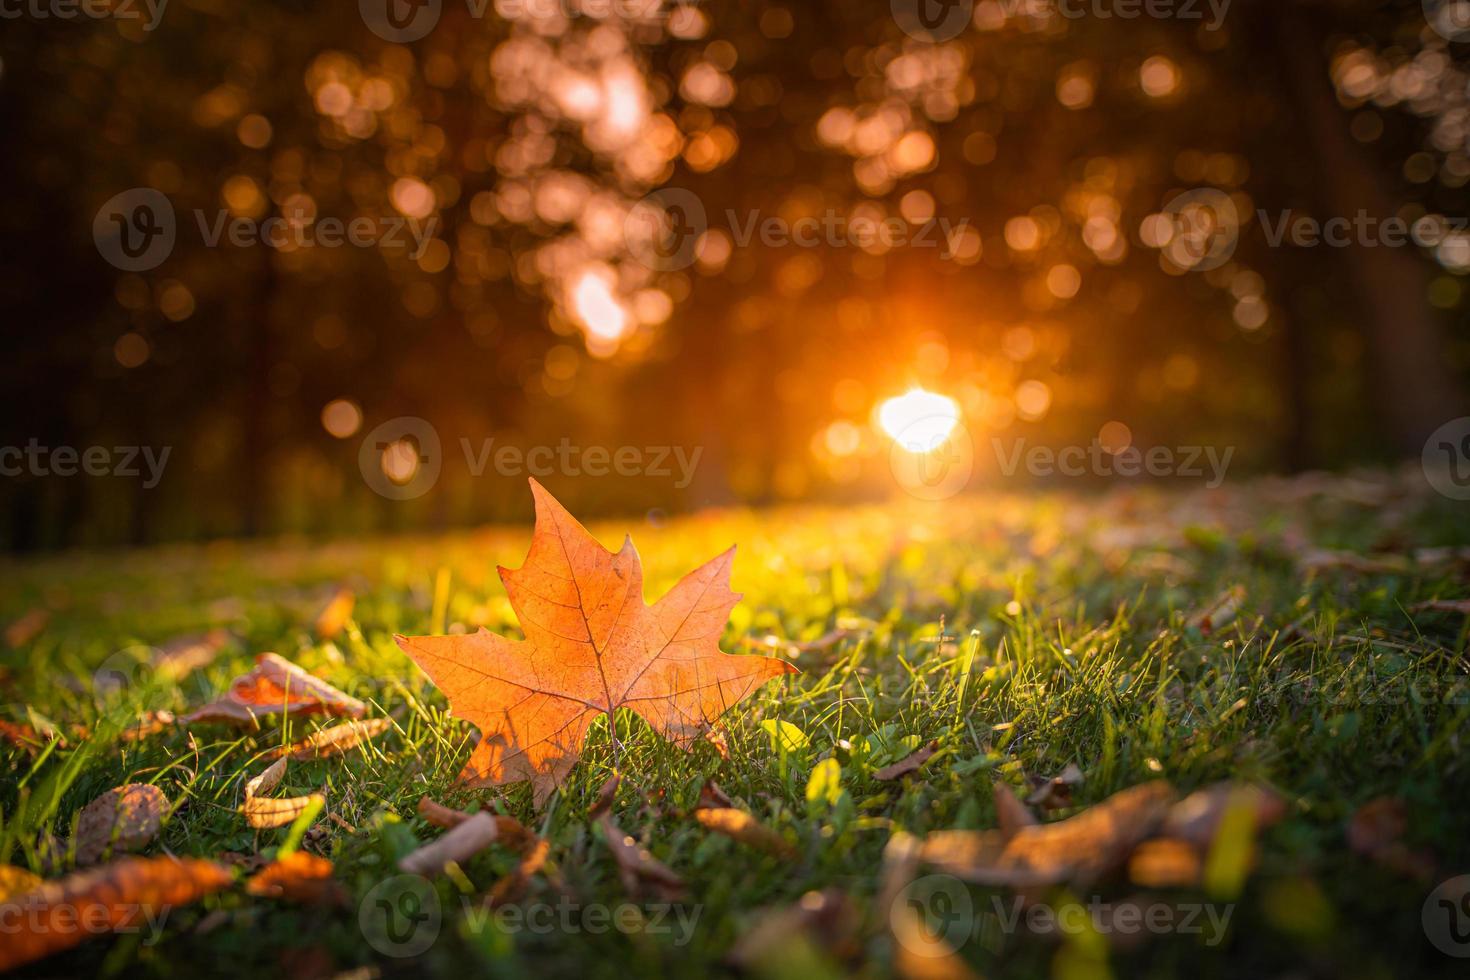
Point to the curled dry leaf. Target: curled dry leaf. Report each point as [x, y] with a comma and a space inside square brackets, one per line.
[1165, 862]
[1197, 817]
[637, 867]
[335, 613]
[16, 881]
[334, 741]
[510, 888]
[122, 819]
[741, 826]
[1219, 613]
[711, 795]
[1459, 607]
[1010, 813]
[592, 646]
[1376, 831]
[1056, 793]
[297, 877]
[25, 629]
[264, 811]
[123, 894]
[512, 831]
[461, 843]
[1078, 849]
[908, 764]
[276, 686]
[825, 920]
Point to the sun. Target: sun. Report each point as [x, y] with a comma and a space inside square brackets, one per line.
[919, 420]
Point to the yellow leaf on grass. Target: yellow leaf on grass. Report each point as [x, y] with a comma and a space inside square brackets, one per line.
[263, 811]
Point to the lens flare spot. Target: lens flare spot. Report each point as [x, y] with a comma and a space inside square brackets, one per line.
[919, 421]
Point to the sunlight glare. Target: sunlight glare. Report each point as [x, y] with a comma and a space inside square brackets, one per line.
[919, 421]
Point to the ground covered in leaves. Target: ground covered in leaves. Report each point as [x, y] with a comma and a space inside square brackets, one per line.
[1305, 638]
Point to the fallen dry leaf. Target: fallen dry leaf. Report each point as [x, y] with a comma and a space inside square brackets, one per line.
[1056, 793]
[1196, 818]
[276, 686]
[123, 894]
[265, 811]
[1010, 813]
[1376, 831]
[122, 819]
[1221, 612]
[741, 826]
[1165, 862]
[637, 867]
[461, 843]
[509, 888]
[1460, 607]
[335, 613]
[16, 881]
[511, 830]
[297, 877]
[180, 657]
[908, 764]
[26, 628]
[148, 724]
[826, 920]
[592, 646]
[711, 795]
[333, 741]
[1078, 849]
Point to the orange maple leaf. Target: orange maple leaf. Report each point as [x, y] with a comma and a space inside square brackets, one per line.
[592, 646]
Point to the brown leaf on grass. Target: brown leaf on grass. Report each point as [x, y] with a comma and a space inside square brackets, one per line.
[1196, 818]
[1078, 849]
[333, 741]
[276, 686]
[1165, 862]
[263, 811]
[511, 887]
[511, 830]
[1011, 814]
[459, 844]
[1326, 560]
[334, 615]
[298, 877]
[605, 796]
[741, 826]
[180, 657]
[24, 737]
[16, 881]
[824, 921]
[1458, 607]
[592, 646]
[148, 724]
[1220, 613]
[122, 819]
[26, 628]
[637, 867]
[1055, 793]
[712, 796]
[123, 894]
[1376, 831]
[908, 764]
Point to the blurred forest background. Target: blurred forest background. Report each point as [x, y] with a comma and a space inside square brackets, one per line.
[530, 133]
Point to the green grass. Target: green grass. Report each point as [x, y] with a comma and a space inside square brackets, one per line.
[1066, 639]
